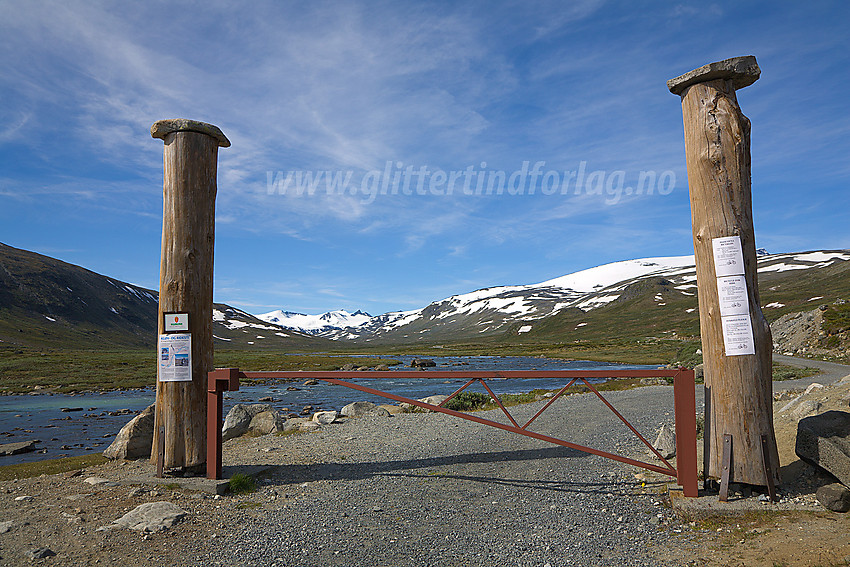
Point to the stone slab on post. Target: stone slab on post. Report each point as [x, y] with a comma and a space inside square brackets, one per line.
[717, 150]
[190, 161]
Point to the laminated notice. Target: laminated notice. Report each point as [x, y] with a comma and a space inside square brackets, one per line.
[738, 335]
[732, 293]
[175, 358]
[728, 256]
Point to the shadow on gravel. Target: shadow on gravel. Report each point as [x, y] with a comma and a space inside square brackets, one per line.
[296, 474]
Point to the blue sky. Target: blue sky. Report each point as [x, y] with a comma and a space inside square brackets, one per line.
[356, 87]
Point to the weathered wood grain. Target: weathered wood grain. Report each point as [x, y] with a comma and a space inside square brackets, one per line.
[186, 283]
[717, 149]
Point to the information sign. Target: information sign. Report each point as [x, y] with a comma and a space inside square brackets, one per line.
[175, 358]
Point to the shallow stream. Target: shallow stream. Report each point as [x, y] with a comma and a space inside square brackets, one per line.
[77, 424]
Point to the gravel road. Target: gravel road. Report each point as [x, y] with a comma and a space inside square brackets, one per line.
[830, 372]
[430, 489]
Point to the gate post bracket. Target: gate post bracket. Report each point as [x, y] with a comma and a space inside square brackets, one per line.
[218, 381]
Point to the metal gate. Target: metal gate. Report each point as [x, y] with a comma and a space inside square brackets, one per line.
[683, 395]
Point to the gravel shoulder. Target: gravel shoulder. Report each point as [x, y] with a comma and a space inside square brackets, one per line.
[413, 489]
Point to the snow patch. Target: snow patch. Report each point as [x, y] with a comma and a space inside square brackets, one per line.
[524, 329]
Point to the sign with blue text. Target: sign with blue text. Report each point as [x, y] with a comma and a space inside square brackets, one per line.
[175, 358]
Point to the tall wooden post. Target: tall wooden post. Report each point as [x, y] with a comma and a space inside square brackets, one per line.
[739, 386]
[186, 282]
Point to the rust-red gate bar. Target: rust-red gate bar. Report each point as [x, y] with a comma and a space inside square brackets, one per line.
[668, 471]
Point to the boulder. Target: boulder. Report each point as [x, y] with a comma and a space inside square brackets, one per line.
[135, 439]
[665, 443]
[151, 517]
[18, 448]
[360, 409]
[266, 422]
[835, 497]
[293, 424]
[325, 417]
[824, 440]
[433, 400]
[392, 409]
[238, 419]
[422, 363]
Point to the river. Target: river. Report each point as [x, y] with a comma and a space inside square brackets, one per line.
[77, 424]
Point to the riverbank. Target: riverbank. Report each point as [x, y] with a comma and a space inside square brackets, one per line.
[418, 489]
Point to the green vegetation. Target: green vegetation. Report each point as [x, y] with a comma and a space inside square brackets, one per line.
[784, 372]
[26, 370]
[52, 466]
[241, 483]
[474, 401]
[467, 401]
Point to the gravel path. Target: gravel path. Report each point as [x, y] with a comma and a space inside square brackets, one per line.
[430, 489]
[830, 372]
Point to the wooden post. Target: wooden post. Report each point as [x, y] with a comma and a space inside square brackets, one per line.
[717, 151]
[186, 281]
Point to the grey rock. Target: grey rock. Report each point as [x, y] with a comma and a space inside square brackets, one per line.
[266, 422]
[665, 443]
[25, 498]
[742, 71]
[824, 440]
[100, 481]
[805, 408]
[325, 417]
[294, 424]
[135, 439]
[422, 363]
[151, 517]
[835, 497]
[40, 553]
[432, 400]
[238, 419]
[360, 409]
[6, 527]
[311, 382]
[18, 448]
[382, 368]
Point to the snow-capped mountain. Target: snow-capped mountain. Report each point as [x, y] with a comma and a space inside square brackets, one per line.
[493, 310]
[325, 323]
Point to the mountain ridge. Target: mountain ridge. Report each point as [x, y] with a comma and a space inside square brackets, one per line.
[48, 302]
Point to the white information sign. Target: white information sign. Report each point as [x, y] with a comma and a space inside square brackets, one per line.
[728, 256]
[175, 358]
[738, 335]
[176, 322]
[732, 292]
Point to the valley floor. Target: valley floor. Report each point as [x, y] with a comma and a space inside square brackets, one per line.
[421, 489]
